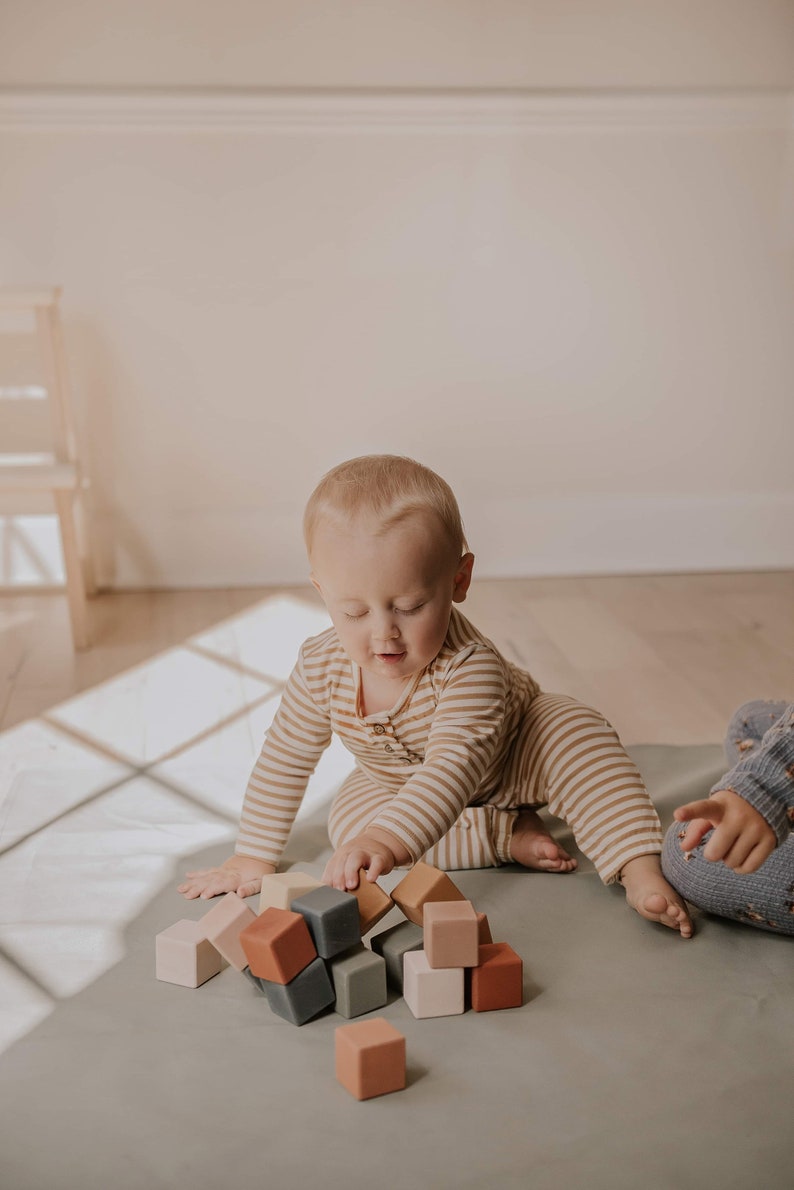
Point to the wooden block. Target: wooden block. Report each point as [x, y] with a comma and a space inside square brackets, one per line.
[184, 956]
[373, 903]
[332, 918]
[370, 1058]
[303, 997]
[223, 925]
[497, 982]
[450, 934]
[393, 944]
[483, 930]
[277, 945]
[281, 889]
[359, 979]
[432, 991]
[422, 884]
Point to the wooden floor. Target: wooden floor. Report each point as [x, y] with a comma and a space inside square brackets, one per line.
[666, 658]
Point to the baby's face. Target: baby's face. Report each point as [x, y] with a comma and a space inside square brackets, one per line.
[389, 594]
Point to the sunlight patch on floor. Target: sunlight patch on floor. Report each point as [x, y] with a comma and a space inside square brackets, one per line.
[103, 800]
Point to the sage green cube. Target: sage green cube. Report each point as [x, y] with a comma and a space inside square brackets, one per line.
[359, 979]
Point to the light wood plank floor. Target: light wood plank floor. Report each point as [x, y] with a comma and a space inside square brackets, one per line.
[666, 657]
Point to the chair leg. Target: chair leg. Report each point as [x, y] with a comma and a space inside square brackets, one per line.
[75, 583]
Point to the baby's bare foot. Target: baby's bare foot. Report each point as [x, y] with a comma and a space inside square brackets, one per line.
[648, 892]
[532, 846]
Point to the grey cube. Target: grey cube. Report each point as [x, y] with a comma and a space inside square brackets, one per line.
[392, 944]
[332, 917]
[304, 996]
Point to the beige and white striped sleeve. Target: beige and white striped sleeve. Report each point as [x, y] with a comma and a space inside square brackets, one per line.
[294, 743]
[465, 735]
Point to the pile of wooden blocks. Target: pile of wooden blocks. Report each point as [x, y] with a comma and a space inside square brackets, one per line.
[304, 950]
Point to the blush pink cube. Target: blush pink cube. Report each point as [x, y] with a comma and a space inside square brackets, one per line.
[223, 925]
[451, 934]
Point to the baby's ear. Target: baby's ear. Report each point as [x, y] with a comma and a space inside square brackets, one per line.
[462, 578]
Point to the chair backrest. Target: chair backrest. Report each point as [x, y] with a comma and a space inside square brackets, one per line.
[34, 414]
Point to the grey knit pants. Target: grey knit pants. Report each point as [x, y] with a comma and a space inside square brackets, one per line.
[765, 898]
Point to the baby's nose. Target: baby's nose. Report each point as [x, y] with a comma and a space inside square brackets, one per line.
[387, 631]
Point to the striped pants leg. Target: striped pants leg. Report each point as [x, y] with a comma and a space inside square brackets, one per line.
[569, 758]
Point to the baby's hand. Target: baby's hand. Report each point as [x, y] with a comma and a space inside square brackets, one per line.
[240, 873]
[742, 838]
[364, 851]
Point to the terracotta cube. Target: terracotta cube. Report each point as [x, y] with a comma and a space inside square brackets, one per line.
[393, 944]
[483, 930]
[304, 996]
[370, 1058]
[497, 982]
[422, 884]
[373, 903]
[277, 945]
[223, 925]
[451, 934]
[359, 979]
[184, 956]
[280, 889]
[432, 991]
[332, 918]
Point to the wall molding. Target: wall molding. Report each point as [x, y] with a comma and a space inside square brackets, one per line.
[311, 111]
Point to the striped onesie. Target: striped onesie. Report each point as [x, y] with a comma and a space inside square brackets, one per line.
[469, 741]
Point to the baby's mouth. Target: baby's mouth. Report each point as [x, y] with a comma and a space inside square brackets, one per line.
[391, 658]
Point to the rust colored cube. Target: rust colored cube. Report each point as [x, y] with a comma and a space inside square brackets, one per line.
[422, 884]
[370, 1058]
[278, 945]
[451, 934]
[373, 902]
[498, 980]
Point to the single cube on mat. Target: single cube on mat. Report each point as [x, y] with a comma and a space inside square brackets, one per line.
[359, 979]
[184, 956]
[278, 945]
[393, 944]
[422, 884]
[483, 930]
[223, 925]
[498, 980]
[281, 889]
[450, 934]
[373, 903]
[332, 918]
[304, 996]
[370, 1058]
[432, 991]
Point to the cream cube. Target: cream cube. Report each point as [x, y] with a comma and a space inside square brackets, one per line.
[432, 991]
[280, 889]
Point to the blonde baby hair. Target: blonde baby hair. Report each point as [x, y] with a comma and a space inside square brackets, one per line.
[389, 487]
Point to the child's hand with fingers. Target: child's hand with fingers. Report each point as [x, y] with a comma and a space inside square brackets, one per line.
[365, 851]
[742, 838]
[240, 873]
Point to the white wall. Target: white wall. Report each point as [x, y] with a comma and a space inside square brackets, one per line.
[576, 305]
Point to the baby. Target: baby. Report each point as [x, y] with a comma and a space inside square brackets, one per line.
[454, 746]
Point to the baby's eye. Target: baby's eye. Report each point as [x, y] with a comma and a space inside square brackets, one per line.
[360, 616]
[409, 611]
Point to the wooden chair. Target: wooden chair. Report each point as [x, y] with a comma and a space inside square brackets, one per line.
[38, 453]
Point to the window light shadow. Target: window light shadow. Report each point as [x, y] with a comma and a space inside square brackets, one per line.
[101, 799]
